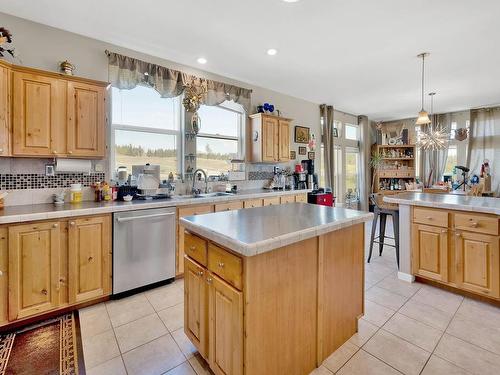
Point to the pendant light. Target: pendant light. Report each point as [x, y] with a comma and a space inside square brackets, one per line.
[434, 137]
[423, 116]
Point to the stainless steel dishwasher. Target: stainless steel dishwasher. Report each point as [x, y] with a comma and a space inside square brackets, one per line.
[143, 248]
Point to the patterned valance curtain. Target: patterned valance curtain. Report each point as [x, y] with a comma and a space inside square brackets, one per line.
[126, 73]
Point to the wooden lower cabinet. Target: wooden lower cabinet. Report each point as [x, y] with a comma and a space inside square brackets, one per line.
[458, 249]
[229, 206]
[477, 263]
[89, 258]
[430, 252]
[195, 306]
[33, 268]
[49, 265]
[225, 330]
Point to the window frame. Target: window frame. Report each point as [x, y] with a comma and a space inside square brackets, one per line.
[239, 138]
[151, 130]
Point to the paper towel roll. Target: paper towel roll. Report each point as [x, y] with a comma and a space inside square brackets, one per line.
[73, 165]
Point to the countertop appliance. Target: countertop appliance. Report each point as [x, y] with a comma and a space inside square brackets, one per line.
[321, 197]
[143, 248]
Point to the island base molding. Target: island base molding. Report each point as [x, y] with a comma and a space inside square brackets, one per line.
[279, 312]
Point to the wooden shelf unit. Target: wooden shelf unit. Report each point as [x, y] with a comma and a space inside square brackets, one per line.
[399, 164]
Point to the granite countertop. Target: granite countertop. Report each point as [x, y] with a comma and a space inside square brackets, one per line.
[23, 213]
[448, 201]
[257, 230]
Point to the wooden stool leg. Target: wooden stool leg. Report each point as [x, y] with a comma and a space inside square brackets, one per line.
[372, 238]
[383, 220]
[395, 222]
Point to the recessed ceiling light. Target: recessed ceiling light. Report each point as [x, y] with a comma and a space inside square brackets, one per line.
[272, 51]
[202, 60]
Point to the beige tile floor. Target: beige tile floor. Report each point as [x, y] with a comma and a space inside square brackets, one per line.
[407, 328]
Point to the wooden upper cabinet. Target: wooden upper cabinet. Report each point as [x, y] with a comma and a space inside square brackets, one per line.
[269, 138]
[477, 263]
[33, 268]
[195, 306]
[284, 140]
[86, 120]
[4, 111]
[430, 252]
[89, 258]
[39, 115]
[225, 327]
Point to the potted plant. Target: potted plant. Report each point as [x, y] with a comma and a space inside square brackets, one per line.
[376, 162]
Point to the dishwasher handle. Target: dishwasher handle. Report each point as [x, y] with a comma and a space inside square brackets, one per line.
[131, 218]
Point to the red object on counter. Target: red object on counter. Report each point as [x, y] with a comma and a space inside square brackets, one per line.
[298, 168]
[323, 199]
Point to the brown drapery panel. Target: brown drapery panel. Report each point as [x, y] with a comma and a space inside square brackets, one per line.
[127, 72]
[326, 113]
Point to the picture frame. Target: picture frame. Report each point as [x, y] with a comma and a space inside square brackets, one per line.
[302, 134]
[311, 155]
[302, 150]
[293, 155]
[335, 132]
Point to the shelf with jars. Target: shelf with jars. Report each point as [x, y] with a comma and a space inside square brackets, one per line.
[396, 168]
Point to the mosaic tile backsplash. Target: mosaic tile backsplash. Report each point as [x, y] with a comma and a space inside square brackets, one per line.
[21, 181]
[260, 175]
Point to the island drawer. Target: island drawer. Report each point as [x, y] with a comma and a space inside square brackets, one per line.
[226, 265]
[477, 223]
[196, 248]
[429, 216]
[301, 198]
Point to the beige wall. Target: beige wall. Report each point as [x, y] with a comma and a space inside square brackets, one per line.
[44, 47]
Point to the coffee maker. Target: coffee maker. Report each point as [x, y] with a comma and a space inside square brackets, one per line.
[312, 178]
[300, 177]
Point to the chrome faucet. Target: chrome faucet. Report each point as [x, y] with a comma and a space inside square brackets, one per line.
[195, 174]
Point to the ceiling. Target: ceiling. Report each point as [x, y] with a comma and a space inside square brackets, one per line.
[358, 55]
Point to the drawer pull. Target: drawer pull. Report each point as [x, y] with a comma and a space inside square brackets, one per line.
[428, 217]
[474, 225]
[72, 223]
[444, 231]
[44, 292]
[221, 265]
[55, 225]
[458, 234]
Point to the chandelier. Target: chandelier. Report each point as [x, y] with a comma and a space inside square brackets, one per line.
[433, 137]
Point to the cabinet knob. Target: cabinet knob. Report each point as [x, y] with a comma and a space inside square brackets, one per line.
[91, 259]
[55, 225]
[458, 234]
[44, 292]
[192, 248]
[209, 280]
[54, 152]
[200, 273]
[444, 231]
[221, 265]
[429, 217]
[1, 149]
[1, 273]
[474, 225]
[72, 223]
[70, 152]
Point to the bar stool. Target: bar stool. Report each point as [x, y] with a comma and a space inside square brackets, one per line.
[382, 210]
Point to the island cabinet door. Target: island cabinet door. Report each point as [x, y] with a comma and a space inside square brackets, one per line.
[430, 252]
[196, 305]
[477, 263]
[89, 258]
[33, 268]
[226, 328]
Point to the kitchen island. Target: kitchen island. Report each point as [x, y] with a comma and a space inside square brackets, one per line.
[452, 240]
[273, 290]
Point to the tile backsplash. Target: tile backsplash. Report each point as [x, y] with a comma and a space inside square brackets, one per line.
[22, 181]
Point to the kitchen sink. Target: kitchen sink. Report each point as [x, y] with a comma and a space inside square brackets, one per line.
[211, 195]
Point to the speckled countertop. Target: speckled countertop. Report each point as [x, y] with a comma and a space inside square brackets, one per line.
[447, 201]
[258, 230]
[23, 213]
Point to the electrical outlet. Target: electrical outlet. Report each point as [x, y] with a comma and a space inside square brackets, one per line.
[49, 170]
